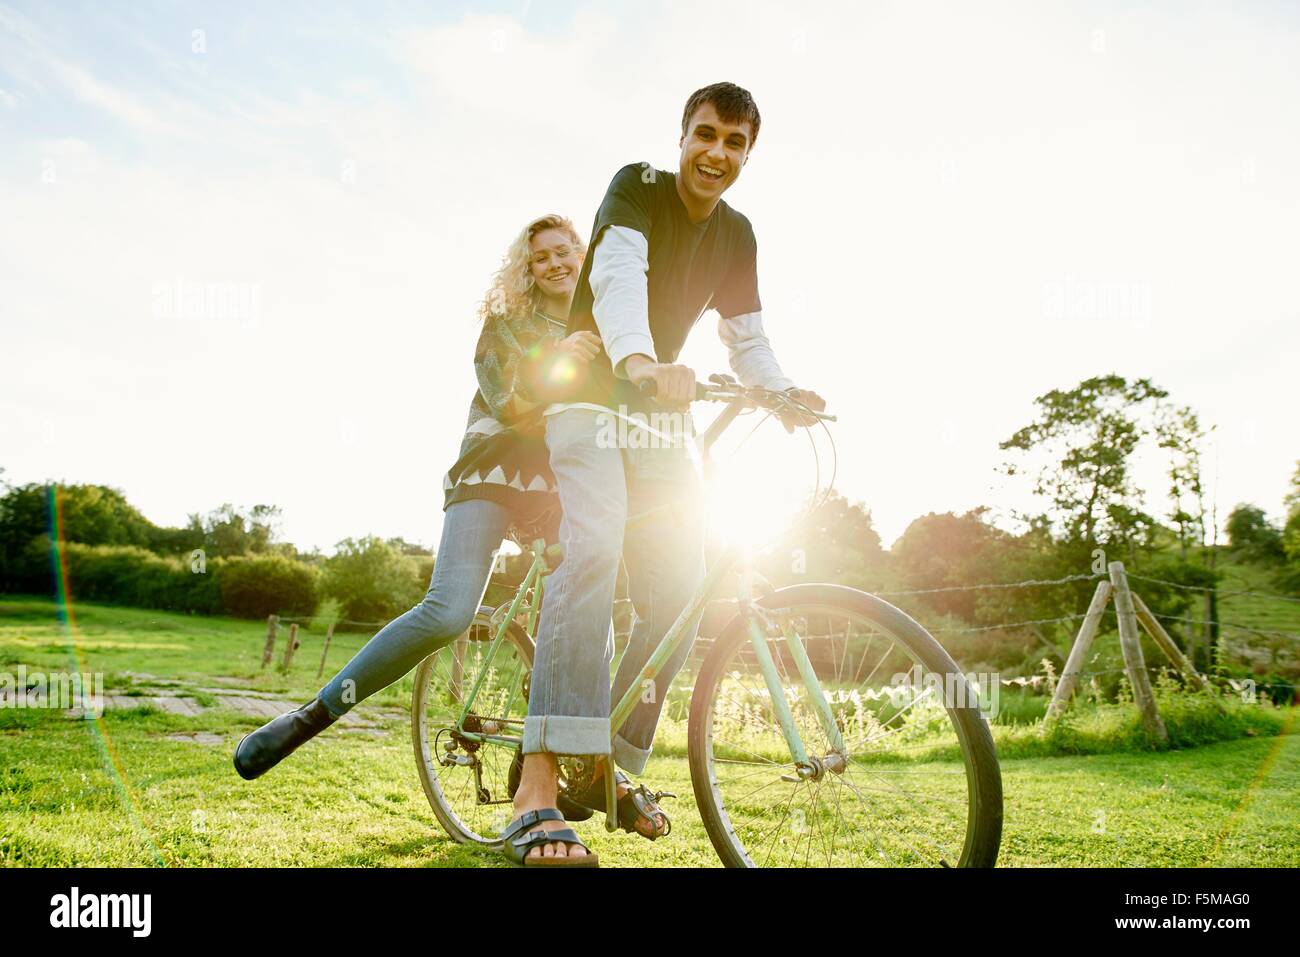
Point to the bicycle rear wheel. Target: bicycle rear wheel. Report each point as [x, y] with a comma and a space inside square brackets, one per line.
[467, 782]
[916, 782]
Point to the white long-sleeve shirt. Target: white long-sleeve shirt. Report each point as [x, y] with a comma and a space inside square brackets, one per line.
[621, 308]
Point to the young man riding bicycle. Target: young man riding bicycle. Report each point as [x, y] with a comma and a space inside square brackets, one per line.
[664, 248]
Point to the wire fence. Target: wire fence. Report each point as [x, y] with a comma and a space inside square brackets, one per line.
[1108, 615]
[1029, 583]
[310, 621]
[1219, 594]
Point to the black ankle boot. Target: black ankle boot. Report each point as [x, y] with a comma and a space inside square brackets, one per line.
[264, 748]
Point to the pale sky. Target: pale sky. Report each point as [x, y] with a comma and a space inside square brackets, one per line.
[957, 209]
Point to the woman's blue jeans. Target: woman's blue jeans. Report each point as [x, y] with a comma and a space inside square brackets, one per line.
[472, 532]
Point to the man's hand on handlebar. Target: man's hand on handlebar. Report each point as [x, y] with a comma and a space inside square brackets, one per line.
[674, 384]
[792, 418]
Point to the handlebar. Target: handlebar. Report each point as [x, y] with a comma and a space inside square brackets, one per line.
[650, 388]
[725, 389]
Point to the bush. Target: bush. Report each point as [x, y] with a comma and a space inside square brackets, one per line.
[27, 570]
[129, 575]
[267, 585]
[373, 580]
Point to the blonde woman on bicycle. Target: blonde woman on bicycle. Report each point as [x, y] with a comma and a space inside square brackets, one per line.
[502, 478]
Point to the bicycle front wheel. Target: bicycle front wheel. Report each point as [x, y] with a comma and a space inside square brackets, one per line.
[901, 769]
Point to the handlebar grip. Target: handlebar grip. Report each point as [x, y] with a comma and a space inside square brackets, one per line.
[650, 388]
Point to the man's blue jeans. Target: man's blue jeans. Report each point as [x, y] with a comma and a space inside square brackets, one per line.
[602, 486]
[471, 536]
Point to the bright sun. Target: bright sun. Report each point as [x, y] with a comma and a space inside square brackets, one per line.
[760, 484]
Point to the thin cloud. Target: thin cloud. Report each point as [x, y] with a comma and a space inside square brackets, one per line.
[84, 86]
[920, 181]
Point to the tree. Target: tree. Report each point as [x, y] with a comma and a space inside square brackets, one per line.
[98, 515]
[24, 514]
[1291, 531]
[371, 579]
[88, 514]
[836, 542]
[1289, 577]
[1088, 434]
[1179, 430]
[228, 530]
[1252, 535]
[410, 548]
[943, 551]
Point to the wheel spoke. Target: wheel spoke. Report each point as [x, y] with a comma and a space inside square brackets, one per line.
[906, 792]
[852, 787]
[785, 815]
[453, 789]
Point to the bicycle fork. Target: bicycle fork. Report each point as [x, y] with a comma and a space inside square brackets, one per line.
[757, 622]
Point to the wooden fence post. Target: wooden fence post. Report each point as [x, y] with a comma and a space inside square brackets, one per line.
[1074, 664]
[272, 622]
[1166, 643]
[1134, 664]
[291, 647]
[329, 633]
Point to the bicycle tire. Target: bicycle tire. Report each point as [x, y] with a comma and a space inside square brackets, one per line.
[979, 757]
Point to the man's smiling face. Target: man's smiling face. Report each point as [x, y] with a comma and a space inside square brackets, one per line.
[713, 151]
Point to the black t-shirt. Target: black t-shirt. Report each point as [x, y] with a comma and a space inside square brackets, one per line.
[692, 267]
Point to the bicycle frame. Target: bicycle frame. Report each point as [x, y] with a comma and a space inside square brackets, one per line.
[757, 623]
[534, 581]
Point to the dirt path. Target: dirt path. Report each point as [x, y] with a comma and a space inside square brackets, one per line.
[154, 691]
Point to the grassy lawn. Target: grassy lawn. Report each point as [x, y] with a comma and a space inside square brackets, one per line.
[132, 789]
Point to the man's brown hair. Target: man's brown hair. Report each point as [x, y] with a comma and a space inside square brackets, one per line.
[733, 103]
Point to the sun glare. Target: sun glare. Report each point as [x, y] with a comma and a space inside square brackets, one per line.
[562, 372]
[758, 486]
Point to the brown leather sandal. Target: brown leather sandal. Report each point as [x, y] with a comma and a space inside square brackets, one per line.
[639, 803]
[517, 840]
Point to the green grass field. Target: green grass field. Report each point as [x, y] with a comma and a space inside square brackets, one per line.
[1265, 643]
[140, 788]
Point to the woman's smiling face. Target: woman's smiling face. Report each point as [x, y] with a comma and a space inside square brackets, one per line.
[555, 260]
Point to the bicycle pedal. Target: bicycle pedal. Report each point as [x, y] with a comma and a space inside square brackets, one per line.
[660, 795]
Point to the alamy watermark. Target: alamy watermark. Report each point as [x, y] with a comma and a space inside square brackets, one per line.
[626, 429]
[210, 301]
[952, 690]
[1097, 300]
[59, 690]
[130, 911]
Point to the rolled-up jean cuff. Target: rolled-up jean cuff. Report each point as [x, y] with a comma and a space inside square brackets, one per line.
[565, 734]
[628, 756]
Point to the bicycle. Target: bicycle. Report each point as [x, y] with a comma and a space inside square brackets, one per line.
[798, 724]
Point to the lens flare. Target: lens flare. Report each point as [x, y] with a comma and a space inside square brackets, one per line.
[750, 503]
[562, 372]
[108, 754]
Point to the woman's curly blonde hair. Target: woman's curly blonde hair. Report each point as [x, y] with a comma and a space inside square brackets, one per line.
[513, 291]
